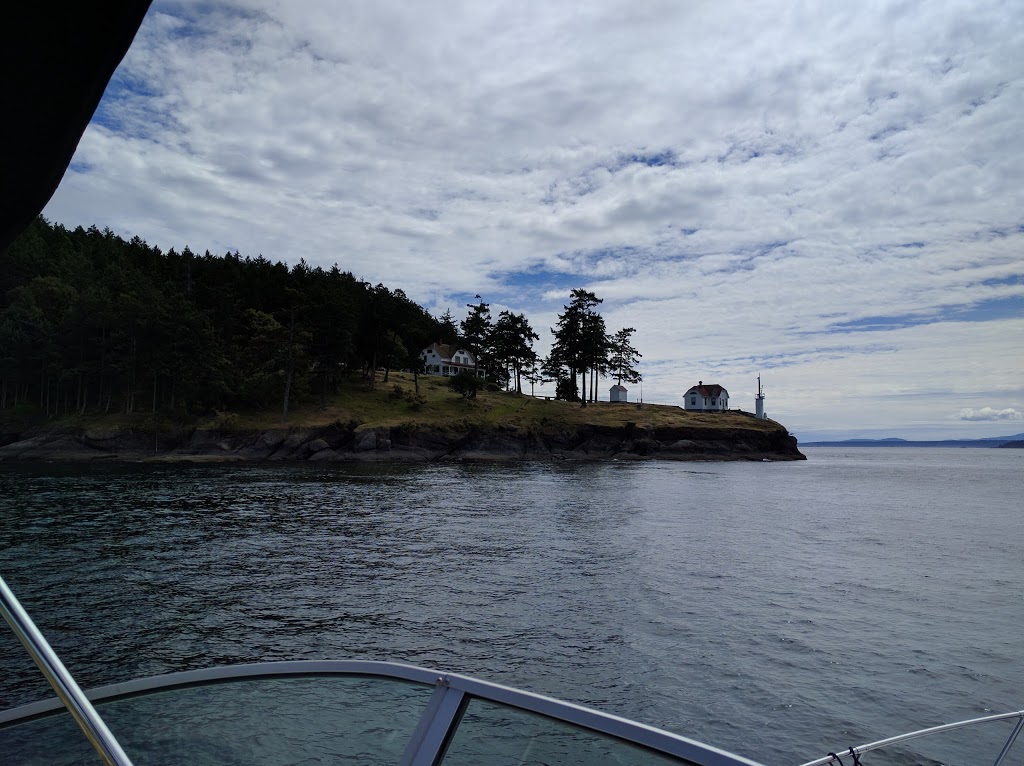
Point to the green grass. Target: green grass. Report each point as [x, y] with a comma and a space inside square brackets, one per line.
[440, 407]
[395, 404]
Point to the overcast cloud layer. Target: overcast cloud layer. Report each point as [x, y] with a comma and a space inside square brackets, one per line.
[830, 197]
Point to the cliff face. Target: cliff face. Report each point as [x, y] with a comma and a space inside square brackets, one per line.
[410, 443]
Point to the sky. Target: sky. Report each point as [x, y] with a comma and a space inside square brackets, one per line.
[826, 195]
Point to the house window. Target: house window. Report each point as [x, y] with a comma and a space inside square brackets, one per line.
[712, 401]
[693, 400]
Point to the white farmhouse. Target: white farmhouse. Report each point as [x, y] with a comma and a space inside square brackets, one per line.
[618, 393]
[709, 397]
[448, 360]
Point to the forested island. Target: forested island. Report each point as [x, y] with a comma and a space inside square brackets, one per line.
[112, 348]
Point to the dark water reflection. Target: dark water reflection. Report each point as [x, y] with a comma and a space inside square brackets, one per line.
[777, 610]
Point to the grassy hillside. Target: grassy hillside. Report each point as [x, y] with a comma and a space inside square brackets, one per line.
[396, 404]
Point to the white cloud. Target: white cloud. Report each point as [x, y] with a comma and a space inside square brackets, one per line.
[837, 165]
[987, 413]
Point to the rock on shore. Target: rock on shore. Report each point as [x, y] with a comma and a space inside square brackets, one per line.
[339, 443]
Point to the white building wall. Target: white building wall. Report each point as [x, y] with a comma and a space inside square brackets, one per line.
[693, 401]
[704, 403]
[449, 367]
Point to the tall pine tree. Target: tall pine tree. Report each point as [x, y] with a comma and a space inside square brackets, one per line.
[476, 333]
[623, 357]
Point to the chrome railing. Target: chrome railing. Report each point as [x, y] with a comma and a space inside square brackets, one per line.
[60, 679]
[860, 749]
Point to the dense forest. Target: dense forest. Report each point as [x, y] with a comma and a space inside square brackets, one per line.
[90, 322]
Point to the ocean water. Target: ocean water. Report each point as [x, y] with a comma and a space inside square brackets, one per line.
[777, 610]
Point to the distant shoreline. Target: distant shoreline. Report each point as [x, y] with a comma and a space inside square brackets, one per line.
[962, 443]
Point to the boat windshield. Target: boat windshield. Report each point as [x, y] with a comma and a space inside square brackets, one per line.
[316, 712]
[339, 712]
[319, 712]
[273, 720]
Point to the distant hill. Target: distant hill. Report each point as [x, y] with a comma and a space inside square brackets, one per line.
[986, 443]
[874, 441]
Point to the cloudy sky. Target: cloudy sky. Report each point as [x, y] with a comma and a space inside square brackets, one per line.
[831, 197]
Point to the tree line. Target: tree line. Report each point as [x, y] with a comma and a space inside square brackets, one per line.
[582, 348]
[91, 322]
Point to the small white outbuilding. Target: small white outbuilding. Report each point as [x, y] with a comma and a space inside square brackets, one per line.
[618, 393]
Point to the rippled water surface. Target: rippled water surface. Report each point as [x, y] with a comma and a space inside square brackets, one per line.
[776, 610]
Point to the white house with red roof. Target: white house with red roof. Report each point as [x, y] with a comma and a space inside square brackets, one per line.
[706, 397]
[448, 360]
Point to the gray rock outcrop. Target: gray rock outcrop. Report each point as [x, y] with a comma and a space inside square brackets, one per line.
[336, 443]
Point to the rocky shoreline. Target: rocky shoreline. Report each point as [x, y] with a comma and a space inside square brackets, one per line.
[340, 443]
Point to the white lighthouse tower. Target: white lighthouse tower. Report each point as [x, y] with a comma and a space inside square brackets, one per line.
[759, 402]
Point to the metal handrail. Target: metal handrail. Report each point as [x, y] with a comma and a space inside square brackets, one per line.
[859, 749]
[60, 679]
[437, 723]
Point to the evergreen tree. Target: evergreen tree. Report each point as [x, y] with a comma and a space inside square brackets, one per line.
[512, 346]
[376, 322]
[476, 333]
[623, 357]
[90, 321]
[332, 301]
[594, 351]
[418, 329]
[534, 374]
[580, 346]
[448, 331]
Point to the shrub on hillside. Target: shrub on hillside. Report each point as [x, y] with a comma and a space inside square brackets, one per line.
[466, 383]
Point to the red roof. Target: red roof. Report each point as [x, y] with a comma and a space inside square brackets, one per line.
[712, 390]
